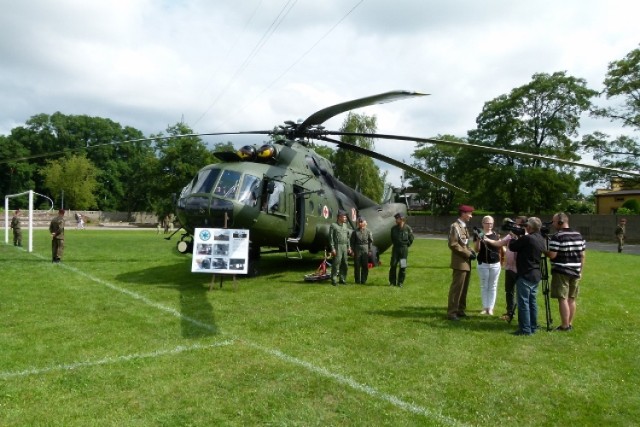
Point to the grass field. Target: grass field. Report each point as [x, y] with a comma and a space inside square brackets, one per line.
[123, 334]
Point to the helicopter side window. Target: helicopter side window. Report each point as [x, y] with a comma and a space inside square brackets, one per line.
[205, 181]
[228, 184]
[273, 203]
[249, 190]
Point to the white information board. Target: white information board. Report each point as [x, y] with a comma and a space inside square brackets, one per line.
[220, 251]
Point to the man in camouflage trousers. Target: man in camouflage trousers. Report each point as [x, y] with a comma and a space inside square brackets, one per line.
[401, 237]
[361, 243]
[56, 228]
[16, 226]
[339, 239]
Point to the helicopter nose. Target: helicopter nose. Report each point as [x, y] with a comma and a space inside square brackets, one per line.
[203, 212]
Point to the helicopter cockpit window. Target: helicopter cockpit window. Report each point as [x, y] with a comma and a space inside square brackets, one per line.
[205, 181]
[250, 190]
[228, 184]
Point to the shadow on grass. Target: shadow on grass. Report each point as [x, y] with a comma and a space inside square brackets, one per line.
[197, 317]
[436, 316]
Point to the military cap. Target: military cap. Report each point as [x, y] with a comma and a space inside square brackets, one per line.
[399, 215]
[341, 213]
[465, 208]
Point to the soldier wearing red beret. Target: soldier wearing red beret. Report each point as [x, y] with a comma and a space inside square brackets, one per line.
[461, 257]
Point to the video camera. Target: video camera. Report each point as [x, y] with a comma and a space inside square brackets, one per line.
[477, 233]
[510, 225]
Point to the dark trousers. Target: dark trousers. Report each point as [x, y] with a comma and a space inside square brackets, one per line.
[458, 292]
[397, 274]
[57, 248]
[361, 265]
[510, 291]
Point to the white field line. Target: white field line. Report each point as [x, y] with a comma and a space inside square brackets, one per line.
[112, 360]
[350, 382]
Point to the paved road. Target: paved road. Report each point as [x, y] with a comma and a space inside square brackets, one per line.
[595, 246]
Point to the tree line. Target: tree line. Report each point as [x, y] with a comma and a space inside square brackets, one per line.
[84, 161]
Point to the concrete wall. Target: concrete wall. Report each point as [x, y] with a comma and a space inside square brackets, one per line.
[592, 227]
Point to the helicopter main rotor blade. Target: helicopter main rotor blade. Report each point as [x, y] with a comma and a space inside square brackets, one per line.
[325, 114]
[394, 162]
[130, 141]
[484, 148]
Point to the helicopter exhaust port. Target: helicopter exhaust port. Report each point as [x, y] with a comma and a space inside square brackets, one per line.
[185, 246]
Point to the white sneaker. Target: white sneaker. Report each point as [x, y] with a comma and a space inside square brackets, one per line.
[484, 311]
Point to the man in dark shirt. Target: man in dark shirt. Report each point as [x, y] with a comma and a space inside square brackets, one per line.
[529, 248]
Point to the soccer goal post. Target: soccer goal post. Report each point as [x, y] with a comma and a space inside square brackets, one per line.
[30, 221]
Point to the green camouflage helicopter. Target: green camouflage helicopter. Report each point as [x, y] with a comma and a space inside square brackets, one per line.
[284, 192]
[287, 195]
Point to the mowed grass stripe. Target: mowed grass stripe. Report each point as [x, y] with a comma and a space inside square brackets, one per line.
[112, 360]
[350, 382]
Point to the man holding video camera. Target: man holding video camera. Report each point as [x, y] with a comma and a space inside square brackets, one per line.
[566, 252]
[529, 249]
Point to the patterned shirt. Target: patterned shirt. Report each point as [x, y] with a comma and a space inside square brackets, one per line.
[569, 246]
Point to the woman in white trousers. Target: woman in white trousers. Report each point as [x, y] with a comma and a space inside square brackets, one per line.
[488, 265]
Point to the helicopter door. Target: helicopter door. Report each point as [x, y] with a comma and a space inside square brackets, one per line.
[298, 213]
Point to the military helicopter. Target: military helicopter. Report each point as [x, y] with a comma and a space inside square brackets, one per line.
[287, 195]
[284, 192]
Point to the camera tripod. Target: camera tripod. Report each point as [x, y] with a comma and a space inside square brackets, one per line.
[544, 280]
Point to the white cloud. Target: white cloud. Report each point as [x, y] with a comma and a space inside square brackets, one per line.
[229, 66]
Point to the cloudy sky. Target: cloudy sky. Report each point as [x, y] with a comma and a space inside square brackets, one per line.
[235, 65]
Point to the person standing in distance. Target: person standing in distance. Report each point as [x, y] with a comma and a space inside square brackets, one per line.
[566, 252]
[461, 257]
[16, 226]
[401, 238]
[339, 237]
[530, 248]
[361, 243]
[56, 228]
[620, 232]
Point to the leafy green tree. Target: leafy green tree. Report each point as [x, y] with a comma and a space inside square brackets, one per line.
[633, 205]
[539, 118]
[622, 86]
[17, 176]
[75, 177]
[179, 159]
[121, 160]
[356, 170]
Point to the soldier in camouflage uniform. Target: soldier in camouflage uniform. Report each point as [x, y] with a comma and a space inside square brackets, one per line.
[339, 236]
[56, 228]
[361, 243]
[16, 226]
[402, 238]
